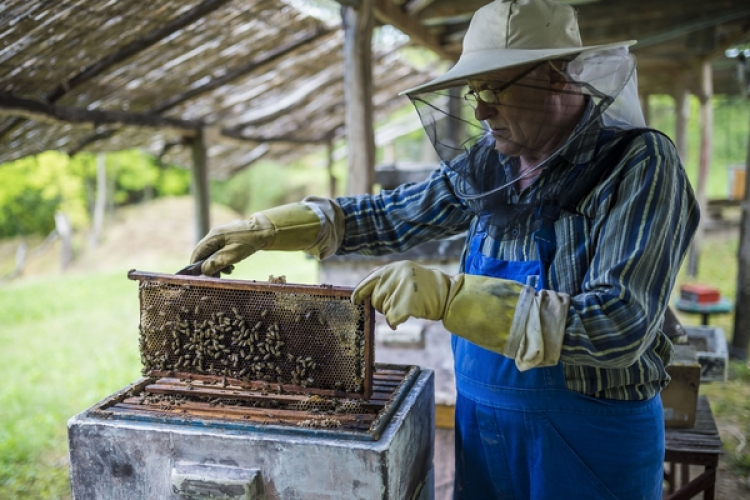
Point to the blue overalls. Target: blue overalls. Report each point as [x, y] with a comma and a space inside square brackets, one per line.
[524, 435]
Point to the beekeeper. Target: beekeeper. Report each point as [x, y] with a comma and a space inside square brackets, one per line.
[577, 218]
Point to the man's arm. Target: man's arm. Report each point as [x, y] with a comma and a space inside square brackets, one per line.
[394, 221]
[645, 222]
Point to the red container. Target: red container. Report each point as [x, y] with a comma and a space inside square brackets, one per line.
[700, 294]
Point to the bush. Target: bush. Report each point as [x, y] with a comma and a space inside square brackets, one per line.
[33, 188]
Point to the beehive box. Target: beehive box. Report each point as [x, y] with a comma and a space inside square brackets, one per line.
[710, 344]
[680, 397]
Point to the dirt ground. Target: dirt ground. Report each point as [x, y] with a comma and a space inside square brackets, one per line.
[729, 485]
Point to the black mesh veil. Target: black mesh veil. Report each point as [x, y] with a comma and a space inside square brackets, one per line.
[604, 80]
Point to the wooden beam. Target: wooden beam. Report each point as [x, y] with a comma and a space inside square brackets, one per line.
[706, 130]
[242, 70]
[236, 134]
[388, 13]
[416, 6]
[360, 136]
[40, 111]
[95, 137]
[231, 75]
[741, 333]
[199, 186]
[691, 27]
[127, 51]
[682, 116]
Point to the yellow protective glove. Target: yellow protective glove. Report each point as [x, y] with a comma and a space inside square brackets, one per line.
[500, 315]
[288, 227]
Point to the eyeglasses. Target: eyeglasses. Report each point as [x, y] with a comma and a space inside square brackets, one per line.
[491, 96]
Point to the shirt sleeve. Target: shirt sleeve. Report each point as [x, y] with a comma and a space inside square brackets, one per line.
[646, 217]
[396, 220]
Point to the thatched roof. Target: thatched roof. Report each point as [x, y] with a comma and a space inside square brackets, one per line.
[267, 78]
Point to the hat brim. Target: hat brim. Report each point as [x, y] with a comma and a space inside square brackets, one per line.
[480, 62]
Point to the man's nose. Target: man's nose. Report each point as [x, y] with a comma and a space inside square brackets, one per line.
[484, 111]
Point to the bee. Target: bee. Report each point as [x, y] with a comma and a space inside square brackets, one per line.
[264, 313]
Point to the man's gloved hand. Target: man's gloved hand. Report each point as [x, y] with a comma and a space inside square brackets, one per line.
[288, 227]
[503, 316]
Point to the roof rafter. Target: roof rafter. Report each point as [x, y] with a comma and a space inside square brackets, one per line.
[125, 52]
[265, 58]
[389, 13]
[41, 111]
[228, 77]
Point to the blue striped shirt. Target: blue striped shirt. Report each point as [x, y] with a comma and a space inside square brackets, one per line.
[617, 256]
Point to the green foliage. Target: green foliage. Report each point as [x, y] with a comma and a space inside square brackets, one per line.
[266, 184]
[33, 188]
[730, 137]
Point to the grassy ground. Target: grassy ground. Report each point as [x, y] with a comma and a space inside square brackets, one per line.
[69, 340]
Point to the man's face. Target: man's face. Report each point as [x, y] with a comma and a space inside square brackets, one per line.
[520, 119]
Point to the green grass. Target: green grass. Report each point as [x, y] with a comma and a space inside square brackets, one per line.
[730, 400]
[68, 342]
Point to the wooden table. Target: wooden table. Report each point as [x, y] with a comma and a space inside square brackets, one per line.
[698, 445]
[723, 306]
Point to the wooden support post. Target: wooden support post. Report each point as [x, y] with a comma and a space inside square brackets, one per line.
[741, 335]
[682, 117]
[199, 186]
[706, 125]
[360, 134]
[329, 168]
[65, 231]
[645, 108]
[21, 252]
[100, 203]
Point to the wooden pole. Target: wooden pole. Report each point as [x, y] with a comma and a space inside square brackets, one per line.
[329, 168]
[97, 219]
[65, 231]
[741, 335]
[358, 25]
[199, 186]
[682, 117]
[707, 119]
[645, 108]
